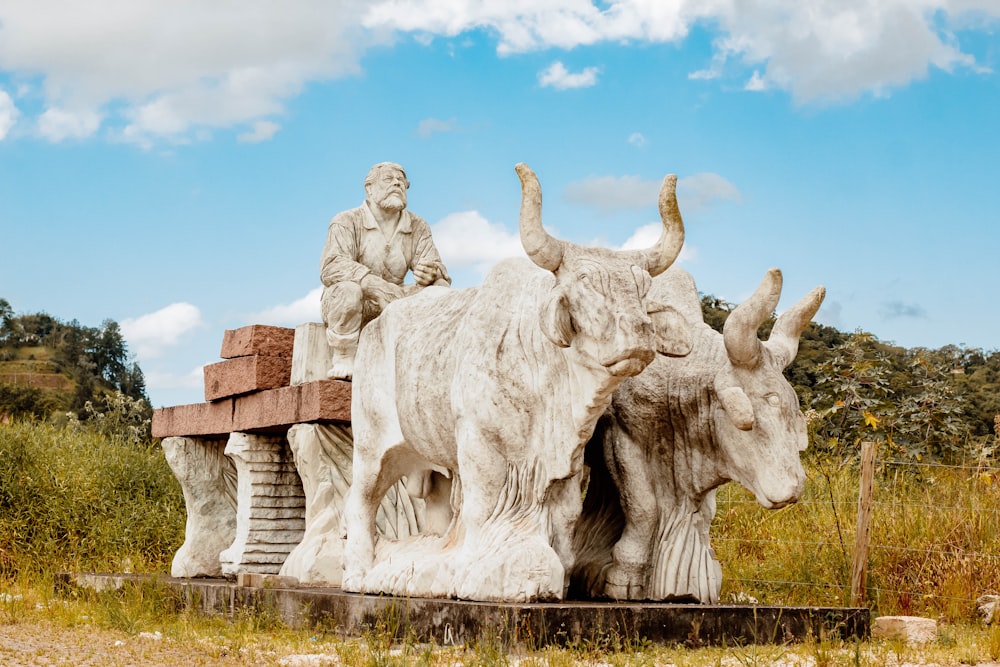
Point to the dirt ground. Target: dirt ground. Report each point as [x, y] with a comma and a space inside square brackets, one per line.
[38, 642]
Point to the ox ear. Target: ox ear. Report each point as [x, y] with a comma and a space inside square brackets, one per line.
[671, 330]
[555, 320]
[734, 401]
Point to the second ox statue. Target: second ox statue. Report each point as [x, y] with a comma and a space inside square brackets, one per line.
[676, 432]
[499, 388]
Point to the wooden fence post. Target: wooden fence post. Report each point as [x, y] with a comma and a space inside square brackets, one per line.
[862, 538]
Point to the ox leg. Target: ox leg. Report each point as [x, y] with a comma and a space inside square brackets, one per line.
[506, 555]
[564, 503]
[628, 573]
[371, 480]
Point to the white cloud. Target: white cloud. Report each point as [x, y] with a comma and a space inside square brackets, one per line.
[57, 124]
[816, 49]
[194, 379]
[700, 190]
[821, 50]
[756, 83]
[164, 69]
[647, 236]
[429, 126]
[148, 335]
[538, 24]
[262, 131]
[637, 140]
[467, 239]
[152, 70]
[8, 114]
[614, 193]
[557, 76]
[300, 311]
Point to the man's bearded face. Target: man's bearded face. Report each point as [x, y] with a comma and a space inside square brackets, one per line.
[389, 190]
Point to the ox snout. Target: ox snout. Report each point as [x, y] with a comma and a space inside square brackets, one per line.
[630, 365]
[780, 491]
[633, 345]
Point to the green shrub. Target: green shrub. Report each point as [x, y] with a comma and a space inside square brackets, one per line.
[70, 498]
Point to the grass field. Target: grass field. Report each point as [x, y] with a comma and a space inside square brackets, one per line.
[71, 500]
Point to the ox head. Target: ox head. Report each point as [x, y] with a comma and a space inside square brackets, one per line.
[760, 426]
[598, 304]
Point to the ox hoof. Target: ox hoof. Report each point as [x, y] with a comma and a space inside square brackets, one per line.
[524, 572]
[625, 582]
[353, 581]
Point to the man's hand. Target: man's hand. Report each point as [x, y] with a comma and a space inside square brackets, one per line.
[426, 273]
[380, 291]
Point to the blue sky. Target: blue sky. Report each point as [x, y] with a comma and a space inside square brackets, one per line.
[174, 165]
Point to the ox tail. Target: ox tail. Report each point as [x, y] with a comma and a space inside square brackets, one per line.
[684, 564]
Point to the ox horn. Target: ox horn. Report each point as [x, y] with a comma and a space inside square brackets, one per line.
[542, 249]
[740, 331]
[784, 339]
[663, 254]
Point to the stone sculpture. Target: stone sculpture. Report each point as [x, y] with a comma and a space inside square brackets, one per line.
[208, 481]
[323, 454]
[479, 416]
[267, 526]
[676, 432]
[498, 388]
[368, 252]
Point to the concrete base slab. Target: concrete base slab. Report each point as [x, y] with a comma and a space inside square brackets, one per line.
[449, 622]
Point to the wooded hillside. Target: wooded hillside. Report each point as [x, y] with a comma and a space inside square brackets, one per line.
[49, 366]
[921, 404]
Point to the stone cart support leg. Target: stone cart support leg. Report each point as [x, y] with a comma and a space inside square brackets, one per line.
[208, 480]
[270, 516]
[323, 457]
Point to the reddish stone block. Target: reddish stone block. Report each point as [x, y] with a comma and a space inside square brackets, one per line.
[242, 375]
[321, 401]
[326, 400]
[196, 419]
[257, 339]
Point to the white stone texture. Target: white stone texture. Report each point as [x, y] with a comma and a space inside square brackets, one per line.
[911, 629]
[368, 253]
[323, 454]
[498, 387]
[270, 507]
[676, 432]
[208, 480]
[989, 606]
[310, 354]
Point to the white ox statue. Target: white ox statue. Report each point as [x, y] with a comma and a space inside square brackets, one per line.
[676, 432]
[499, 388]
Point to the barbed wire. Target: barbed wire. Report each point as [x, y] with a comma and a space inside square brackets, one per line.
[871, 589]
[875, 503]
[971, 503]
[882, 547]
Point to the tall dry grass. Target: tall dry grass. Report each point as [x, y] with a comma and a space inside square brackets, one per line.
[73, 499]
[935, 540]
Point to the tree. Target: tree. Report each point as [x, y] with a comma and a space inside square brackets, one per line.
[6, 316]
[852, 398]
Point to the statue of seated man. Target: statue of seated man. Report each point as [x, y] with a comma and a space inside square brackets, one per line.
[368, 251]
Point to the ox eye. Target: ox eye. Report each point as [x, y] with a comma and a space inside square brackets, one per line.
[773, 400]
